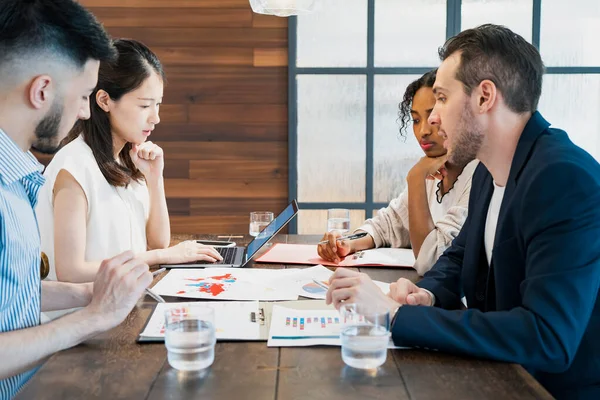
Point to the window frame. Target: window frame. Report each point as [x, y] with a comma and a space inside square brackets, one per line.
[453, 27]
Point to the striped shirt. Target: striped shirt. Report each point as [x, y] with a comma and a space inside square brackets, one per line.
[20, 286]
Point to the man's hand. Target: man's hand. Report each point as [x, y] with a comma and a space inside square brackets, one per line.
[354, 287]
[119, 284]
[405, 292]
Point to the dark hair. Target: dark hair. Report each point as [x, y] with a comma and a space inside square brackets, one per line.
[134, 64]
[404, 117]
[61, 27]
[498, 54]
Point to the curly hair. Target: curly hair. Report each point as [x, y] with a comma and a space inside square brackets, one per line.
[426, 80]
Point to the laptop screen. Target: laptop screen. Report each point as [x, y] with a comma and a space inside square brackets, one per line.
[271, 230]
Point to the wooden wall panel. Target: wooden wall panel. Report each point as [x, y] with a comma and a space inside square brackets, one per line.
[141, 4]
[172, 17]
[270, 57]
[224, 114]
[222, 131]
[206, 37]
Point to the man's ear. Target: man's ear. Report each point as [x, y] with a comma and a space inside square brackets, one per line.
[103, 100]
[41, 91]
[487, 95]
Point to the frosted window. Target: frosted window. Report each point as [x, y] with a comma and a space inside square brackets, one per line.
[516, 15]
[409, 32]
[393, 155]
[572, 103]
[569, 32]
[331, 138]
[333, 36]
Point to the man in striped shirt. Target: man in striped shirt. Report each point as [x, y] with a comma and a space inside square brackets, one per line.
[50, 54]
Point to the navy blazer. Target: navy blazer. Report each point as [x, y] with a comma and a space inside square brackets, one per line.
[537, 304]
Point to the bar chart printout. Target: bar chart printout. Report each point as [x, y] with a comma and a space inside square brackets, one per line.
[291, 327]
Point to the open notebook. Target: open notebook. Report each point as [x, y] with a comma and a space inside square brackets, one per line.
[282, 253]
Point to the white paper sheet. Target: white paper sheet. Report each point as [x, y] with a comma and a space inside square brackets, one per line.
[302, 281]
[226, 284]
[384, 256]
[298, 328]
[232, 319]
[291, 327]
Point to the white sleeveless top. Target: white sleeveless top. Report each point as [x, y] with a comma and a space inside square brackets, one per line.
[116, 217]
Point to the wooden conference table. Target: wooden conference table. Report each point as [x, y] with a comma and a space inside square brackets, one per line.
[113, 366]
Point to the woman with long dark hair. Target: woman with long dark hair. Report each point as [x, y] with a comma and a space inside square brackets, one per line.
[430, 212]
[104, 191]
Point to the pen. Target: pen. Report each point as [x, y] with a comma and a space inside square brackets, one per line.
[349, 237]
[155, 296]
[159, 271]
[321, 284]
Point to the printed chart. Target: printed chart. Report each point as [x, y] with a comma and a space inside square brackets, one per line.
[291, 327]
[232, 319]
[226, 284]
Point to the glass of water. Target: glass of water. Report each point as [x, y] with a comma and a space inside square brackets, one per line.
[365, 335]
[338, 219]
[190, 336]
[259, 221]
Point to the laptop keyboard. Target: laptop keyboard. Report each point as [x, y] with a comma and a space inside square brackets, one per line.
[228, 254]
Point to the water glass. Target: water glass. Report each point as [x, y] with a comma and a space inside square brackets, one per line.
[365, 335]
[338, 219]
[190, 336]
[259, 221]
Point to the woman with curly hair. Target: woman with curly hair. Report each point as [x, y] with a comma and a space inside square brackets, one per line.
[430, 212]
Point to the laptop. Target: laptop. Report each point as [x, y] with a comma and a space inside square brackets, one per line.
[236, 257]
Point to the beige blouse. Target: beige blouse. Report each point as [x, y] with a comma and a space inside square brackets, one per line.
[389, 228]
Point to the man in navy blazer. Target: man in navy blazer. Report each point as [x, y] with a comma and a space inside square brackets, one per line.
[527, 259]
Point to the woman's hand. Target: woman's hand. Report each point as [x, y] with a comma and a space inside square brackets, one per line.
[334, 249]
[429, 168]
[190, 251]
[149, 159]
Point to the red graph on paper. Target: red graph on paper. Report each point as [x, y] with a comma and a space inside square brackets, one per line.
[208, 284]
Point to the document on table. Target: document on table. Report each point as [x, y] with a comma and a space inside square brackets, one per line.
[225, 284]
[283, 253]
[302, 282]
[301, 327]
[234, 320]
[248, 284]
[290, 327]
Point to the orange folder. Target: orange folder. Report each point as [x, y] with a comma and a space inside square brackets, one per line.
[282, 253]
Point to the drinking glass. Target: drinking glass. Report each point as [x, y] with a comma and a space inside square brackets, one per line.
[190, 336]
[338, 219]
[259, 221]
[365, 335]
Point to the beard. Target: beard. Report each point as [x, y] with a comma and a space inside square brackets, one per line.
[469, 137]
[47, 139]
